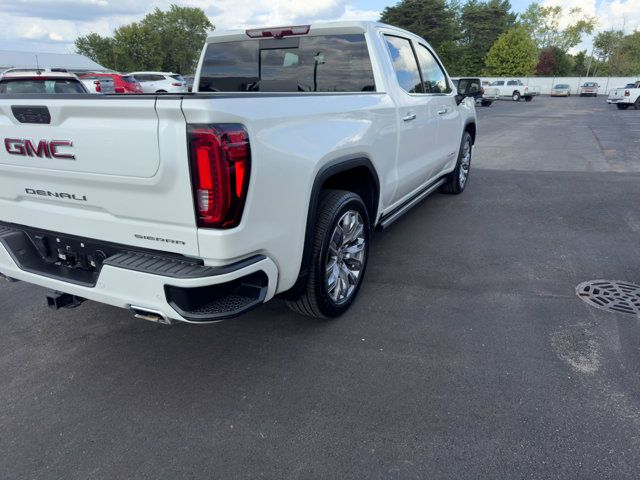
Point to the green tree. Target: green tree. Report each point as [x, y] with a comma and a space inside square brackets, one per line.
[629, 60]
[169, 41]
[482, 23]
[617, 53]
[543, 24]
[434, 20]
[513, 54]
[137, 47]
[97, 48]
[183, 31]
[580, 62]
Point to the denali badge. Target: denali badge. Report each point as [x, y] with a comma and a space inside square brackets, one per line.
[43, 149]
[47, 193]
[157, 239]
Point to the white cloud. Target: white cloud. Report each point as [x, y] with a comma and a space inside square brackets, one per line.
[620, 15]
[53, 25]
[611, 14]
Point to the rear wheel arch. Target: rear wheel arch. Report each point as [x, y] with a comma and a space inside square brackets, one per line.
[354, 174]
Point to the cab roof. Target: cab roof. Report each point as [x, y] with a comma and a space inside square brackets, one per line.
[44, 72]
[339, 27]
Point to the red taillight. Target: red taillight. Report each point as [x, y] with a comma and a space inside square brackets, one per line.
[626, 93]
[278, 32]
[177, 85]
[98, 87]
[220, 166]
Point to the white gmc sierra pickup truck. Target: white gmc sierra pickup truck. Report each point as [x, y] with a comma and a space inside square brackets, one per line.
[268, 179]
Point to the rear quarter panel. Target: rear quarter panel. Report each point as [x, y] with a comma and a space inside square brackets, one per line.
[292, 138]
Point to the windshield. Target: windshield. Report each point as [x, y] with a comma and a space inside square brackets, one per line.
[561, 86]
[177, 77]
[589, 85]
[129, 79]
[40, 85]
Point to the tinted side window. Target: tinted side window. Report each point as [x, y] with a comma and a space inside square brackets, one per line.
[404, 63]
[61, 86]
[512, 82]
[435, 81]
[325, 63]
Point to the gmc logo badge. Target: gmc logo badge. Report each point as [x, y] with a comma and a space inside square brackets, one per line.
[43, 149]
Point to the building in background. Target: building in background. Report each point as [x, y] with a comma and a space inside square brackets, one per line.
[70, 61]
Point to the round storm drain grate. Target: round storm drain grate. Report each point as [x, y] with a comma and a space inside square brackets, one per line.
[611, 295]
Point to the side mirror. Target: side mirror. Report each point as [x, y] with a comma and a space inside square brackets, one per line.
[468, 87]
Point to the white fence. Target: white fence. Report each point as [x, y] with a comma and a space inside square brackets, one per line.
[547, 83]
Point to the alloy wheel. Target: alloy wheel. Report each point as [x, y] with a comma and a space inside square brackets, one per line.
[465, 163]
[346, 257]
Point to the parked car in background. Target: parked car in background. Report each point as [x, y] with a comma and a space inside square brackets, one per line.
[561, 90]
[489, 95]
[203, 207]
[626, 97]
[97, 85]
[43, 81]
[160, 82]
[123, 84]
[515, 89]
[484, 96]
[589, 88]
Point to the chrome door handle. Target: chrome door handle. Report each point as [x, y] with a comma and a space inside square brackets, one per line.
[409, 116]
[443, 110]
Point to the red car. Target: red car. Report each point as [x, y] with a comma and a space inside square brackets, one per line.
[121, 83]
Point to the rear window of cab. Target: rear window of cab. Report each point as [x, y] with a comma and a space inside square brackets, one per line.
[322, 63]
[39, 86]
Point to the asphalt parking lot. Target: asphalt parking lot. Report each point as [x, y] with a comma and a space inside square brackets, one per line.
[467, 356]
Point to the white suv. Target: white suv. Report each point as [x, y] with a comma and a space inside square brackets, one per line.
[161, 82]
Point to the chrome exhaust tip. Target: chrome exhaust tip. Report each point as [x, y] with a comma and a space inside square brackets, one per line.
[150, 315]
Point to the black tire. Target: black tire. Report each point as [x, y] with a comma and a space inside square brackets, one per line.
[528, 98]
[515, 96]
[453, 184]
[623, 106]
[636, 104]
[315, 301]
[486, 103]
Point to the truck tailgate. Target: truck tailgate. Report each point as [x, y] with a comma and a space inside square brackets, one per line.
[109, 168]
[616, 94]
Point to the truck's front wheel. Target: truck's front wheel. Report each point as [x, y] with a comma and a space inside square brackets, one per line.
[622, 106]
[339, 256]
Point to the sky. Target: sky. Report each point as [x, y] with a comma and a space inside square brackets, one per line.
[53, 25]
